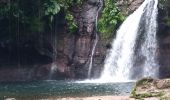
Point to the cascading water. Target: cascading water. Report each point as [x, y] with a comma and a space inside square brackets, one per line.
[91, 58]
[54, 56]
[120, 60]
[150, 44]
[96, 40]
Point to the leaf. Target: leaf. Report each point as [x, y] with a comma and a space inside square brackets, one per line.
[51, 7]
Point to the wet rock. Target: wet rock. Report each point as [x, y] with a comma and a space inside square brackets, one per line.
[86, 19]
[164, 39]
[129, 6]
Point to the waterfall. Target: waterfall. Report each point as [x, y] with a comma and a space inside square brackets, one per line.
[91, 58]
[53, 68]
[120, 61]
[96, 39]
[150, 44]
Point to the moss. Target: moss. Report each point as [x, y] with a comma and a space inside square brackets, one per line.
[165, 98]
[147, 95]
[144, 81]
[133, 93]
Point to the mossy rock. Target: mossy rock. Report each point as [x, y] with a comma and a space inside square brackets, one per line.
[146, 88]
[144, 81]
[165, 98]
[147, 95]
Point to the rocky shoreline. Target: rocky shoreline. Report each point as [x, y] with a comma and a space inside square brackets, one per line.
[148, 87]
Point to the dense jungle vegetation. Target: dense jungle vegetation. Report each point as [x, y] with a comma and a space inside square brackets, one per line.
[30, 16]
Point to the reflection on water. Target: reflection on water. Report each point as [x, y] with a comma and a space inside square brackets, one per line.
[45, 89]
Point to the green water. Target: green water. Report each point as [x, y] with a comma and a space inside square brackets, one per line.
[46, 89]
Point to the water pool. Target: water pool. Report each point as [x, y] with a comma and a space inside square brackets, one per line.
[45, 89]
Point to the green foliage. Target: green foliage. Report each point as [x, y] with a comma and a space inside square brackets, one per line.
[147, 95]
[67, 5]
[36, 15]
[23, 13]
[51, 8]
[111, 16]
[71, 23]
[10, 10]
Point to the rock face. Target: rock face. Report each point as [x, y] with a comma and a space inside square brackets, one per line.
[148, 88]
[58, 55]
[164, 40]
[129, 6]
[85, 39]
